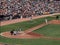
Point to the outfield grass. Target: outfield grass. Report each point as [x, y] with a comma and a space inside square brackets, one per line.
[51, 30]
[24, 26]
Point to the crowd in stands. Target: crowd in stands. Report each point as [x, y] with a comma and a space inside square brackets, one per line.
[25, 8]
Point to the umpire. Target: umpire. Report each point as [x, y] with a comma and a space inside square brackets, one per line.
[12, 32]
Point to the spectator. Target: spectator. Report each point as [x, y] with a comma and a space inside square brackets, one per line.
[28, 6]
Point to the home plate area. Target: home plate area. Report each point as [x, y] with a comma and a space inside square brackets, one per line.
[21, 35]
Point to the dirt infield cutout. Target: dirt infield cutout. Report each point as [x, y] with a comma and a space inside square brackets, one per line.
[22, 36]
[28, 34]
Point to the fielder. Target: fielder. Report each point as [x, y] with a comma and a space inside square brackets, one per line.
[46, 21]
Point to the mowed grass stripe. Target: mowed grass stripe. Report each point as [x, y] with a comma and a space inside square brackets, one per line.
[24, 25]
[40, 41]
[52, 30]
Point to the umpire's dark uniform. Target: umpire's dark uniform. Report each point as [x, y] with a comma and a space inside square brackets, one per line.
[12, 32]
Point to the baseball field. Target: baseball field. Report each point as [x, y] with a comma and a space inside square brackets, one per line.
[38, 32]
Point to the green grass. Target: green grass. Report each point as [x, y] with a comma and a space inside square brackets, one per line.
[52, 30]
[26, 25]
[30, 41]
